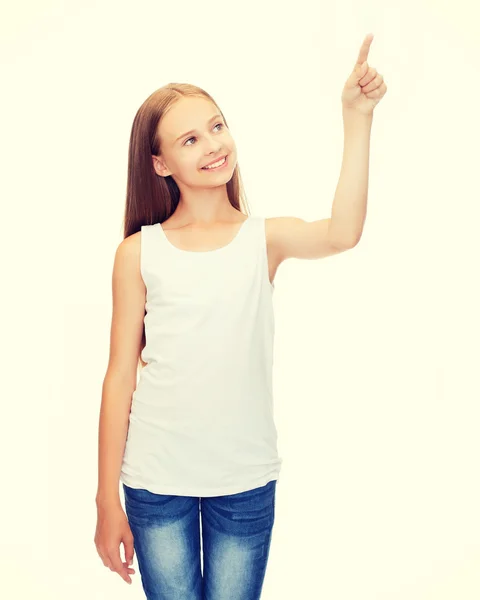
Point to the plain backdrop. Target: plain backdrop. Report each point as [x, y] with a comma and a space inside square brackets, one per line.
[376, 349]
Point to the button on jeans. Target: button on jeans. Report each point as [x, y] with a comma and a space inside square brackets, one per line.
[235, 531]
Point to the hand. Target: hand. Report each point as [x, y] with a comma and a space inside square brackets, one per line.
[365, 87]
[112, 529]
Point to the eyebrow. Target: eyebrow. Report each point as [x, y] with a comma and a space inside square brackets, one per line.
[193, 130]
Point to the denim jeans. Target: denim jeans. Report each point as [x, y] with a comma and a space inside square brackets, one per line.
[235, 531]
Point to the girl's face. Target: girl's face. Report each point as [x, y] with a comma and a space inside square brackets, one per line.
[193, 134]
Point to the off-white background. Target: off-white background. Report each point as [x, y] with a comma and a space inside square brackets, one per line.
[376, 349]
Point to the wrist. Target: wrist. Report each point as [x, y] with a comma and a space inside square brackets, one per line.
[353, 113]
[104, 499]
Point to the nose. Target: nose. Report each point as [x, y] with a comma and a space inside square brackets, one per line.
[213, 146]
[213, 149]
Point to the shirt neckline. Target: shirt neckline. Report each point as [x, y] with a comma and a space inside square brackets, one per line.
[176, 248]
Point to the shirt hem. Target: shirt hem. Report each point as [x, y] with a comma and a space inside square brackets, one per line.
[200, 492]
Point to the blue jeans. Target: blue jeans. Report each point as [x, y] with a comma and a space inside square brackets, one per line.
[236, 532]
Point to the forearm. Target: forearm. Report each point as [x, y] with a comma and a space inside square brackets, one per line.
[112, 435]
[350, 201]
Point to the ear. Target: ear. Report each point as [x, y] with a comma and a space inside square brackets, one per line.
[160, 167]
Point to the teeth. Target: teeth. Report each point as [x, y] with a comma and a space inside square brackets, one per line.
[217, 164]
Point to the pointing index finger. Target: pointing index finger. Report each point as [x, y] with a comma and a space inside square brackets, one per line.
[365, 47]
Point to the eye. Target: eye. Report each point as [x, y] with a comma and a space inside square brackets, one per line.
[192, 138]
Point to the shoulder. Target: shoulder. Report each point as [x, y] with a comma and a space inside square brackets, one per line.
[130, 245]
[127, 254]
[273, 233]
[276, 226]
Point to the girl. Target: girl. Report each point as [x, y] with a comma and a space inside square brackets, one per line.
[194, 443]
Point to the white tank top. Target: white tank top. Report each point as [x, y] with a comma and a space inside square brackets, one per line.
[201, 420]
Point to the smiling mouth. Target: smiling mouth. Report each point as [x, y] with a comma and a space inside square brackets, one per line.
[224, 159]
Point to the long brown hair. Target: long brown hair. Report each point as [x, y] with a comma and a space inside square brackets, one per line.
[152, 198]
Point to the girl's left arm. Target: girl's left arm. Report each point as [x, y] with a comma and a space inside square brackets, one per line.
[296, 238]
[349, 208]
